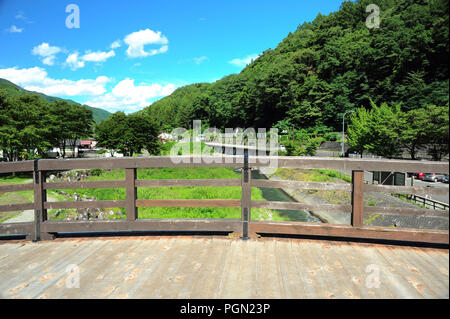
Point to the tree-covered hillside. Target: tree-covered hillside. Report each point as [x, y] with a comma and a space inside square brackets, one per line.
[326, 67]
[14, 90]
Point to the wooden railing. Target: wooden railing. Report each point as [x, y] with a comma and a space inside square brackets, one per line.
[42, 228]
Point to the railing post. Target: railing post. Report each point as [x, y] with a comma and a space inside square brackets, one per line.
[357, 198]
[130, 182]
[40, 197]
[246, 197]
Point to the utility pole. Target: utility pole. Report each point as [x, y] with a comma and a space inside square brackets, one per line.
[343, 132]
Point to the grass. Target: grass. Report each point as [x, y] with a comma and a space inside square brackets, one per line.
[333, 174]
[14, 197]
[178, 193]
[319, 175]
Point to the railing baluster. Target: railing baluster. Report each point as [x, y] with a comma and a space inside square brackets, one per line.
[130, 182]
[357, 198]
[246, 198]
[40, 196]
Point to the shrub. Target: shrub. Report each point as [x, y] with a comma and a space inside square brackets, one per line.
[96, 171]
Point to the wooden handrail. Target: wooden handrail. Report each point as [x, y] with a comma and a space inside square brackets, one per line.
[42, 228]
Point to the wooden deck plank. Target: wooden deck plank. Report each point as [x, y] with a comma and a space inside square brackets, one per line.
[201, 262]
[392, 276]
[204, 267]
[418, 271]
[166, 251]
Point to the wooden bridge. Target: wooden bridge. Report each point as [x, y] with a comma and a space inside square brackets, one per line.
[209, 267]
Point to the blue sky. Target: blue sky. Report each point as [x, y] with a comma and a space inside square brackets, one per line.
[127, 54]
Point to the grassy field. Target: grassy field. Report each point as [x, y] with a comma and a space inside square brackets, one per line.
[319, 175]
[179, 193]
[14, 197]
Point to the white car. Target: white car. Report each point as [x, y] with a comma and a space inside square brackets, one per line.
[432, 177]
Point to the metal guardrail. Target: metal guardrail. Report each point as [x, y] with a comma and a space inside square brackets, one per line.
[428, 202]
[42, 228]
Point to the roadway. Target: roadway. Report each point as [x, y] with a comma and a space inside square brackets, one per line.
[420, 183]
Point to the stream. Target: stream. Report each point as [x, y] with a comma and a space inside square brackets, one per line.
[278, 195]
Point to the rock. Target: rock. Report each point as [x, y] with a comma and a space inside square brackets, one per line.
[119, 213]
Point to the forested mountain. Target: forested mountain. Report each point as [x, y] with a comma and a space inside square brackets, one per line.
[14, 90]
[326, 67]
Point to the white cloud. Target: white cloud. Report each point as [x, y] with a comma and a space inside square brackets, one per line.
[73, 61]
[98, 56]
[46, 52]
[14, 29]
[125, 95]
[200, 59]
[36, 79]
[137, 40]
[20, 15]
[244, 61]
[130, 97]
[116, 44]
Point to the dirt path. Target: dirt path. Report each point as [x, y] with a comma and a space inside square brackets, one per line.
[27, 215]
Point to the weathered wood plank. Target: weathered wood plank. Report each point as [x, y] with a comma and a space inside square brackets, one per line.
[357, 198]
[301, 185]
[188, 203]
[138, 162]
[300, 206]
[16, 228]
[145, 225]
[406, 211]
[130, 179]
[87, 204]
[365, 232]
[187, 182]
[82, 185]
[406, 189]
[353, 164]
[15, 188]
[16, 207]
[232, 161]
[22, 166]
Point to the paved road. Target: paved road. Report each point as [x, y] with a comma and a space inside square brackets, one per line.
[417, 182]
[440, 198]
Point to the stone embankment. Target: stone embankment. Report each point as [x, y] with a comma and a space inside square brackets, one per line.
[370, 199]
[80, 213]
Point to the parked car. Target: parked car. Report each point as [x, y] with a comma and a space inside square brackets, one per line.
[445, 179]
[418, 175]
[432, 177]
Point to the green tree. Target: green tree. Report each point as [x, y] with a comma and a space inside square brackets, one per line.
[437, 131]
[358, 131]
[412, 130]
[129, 134]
